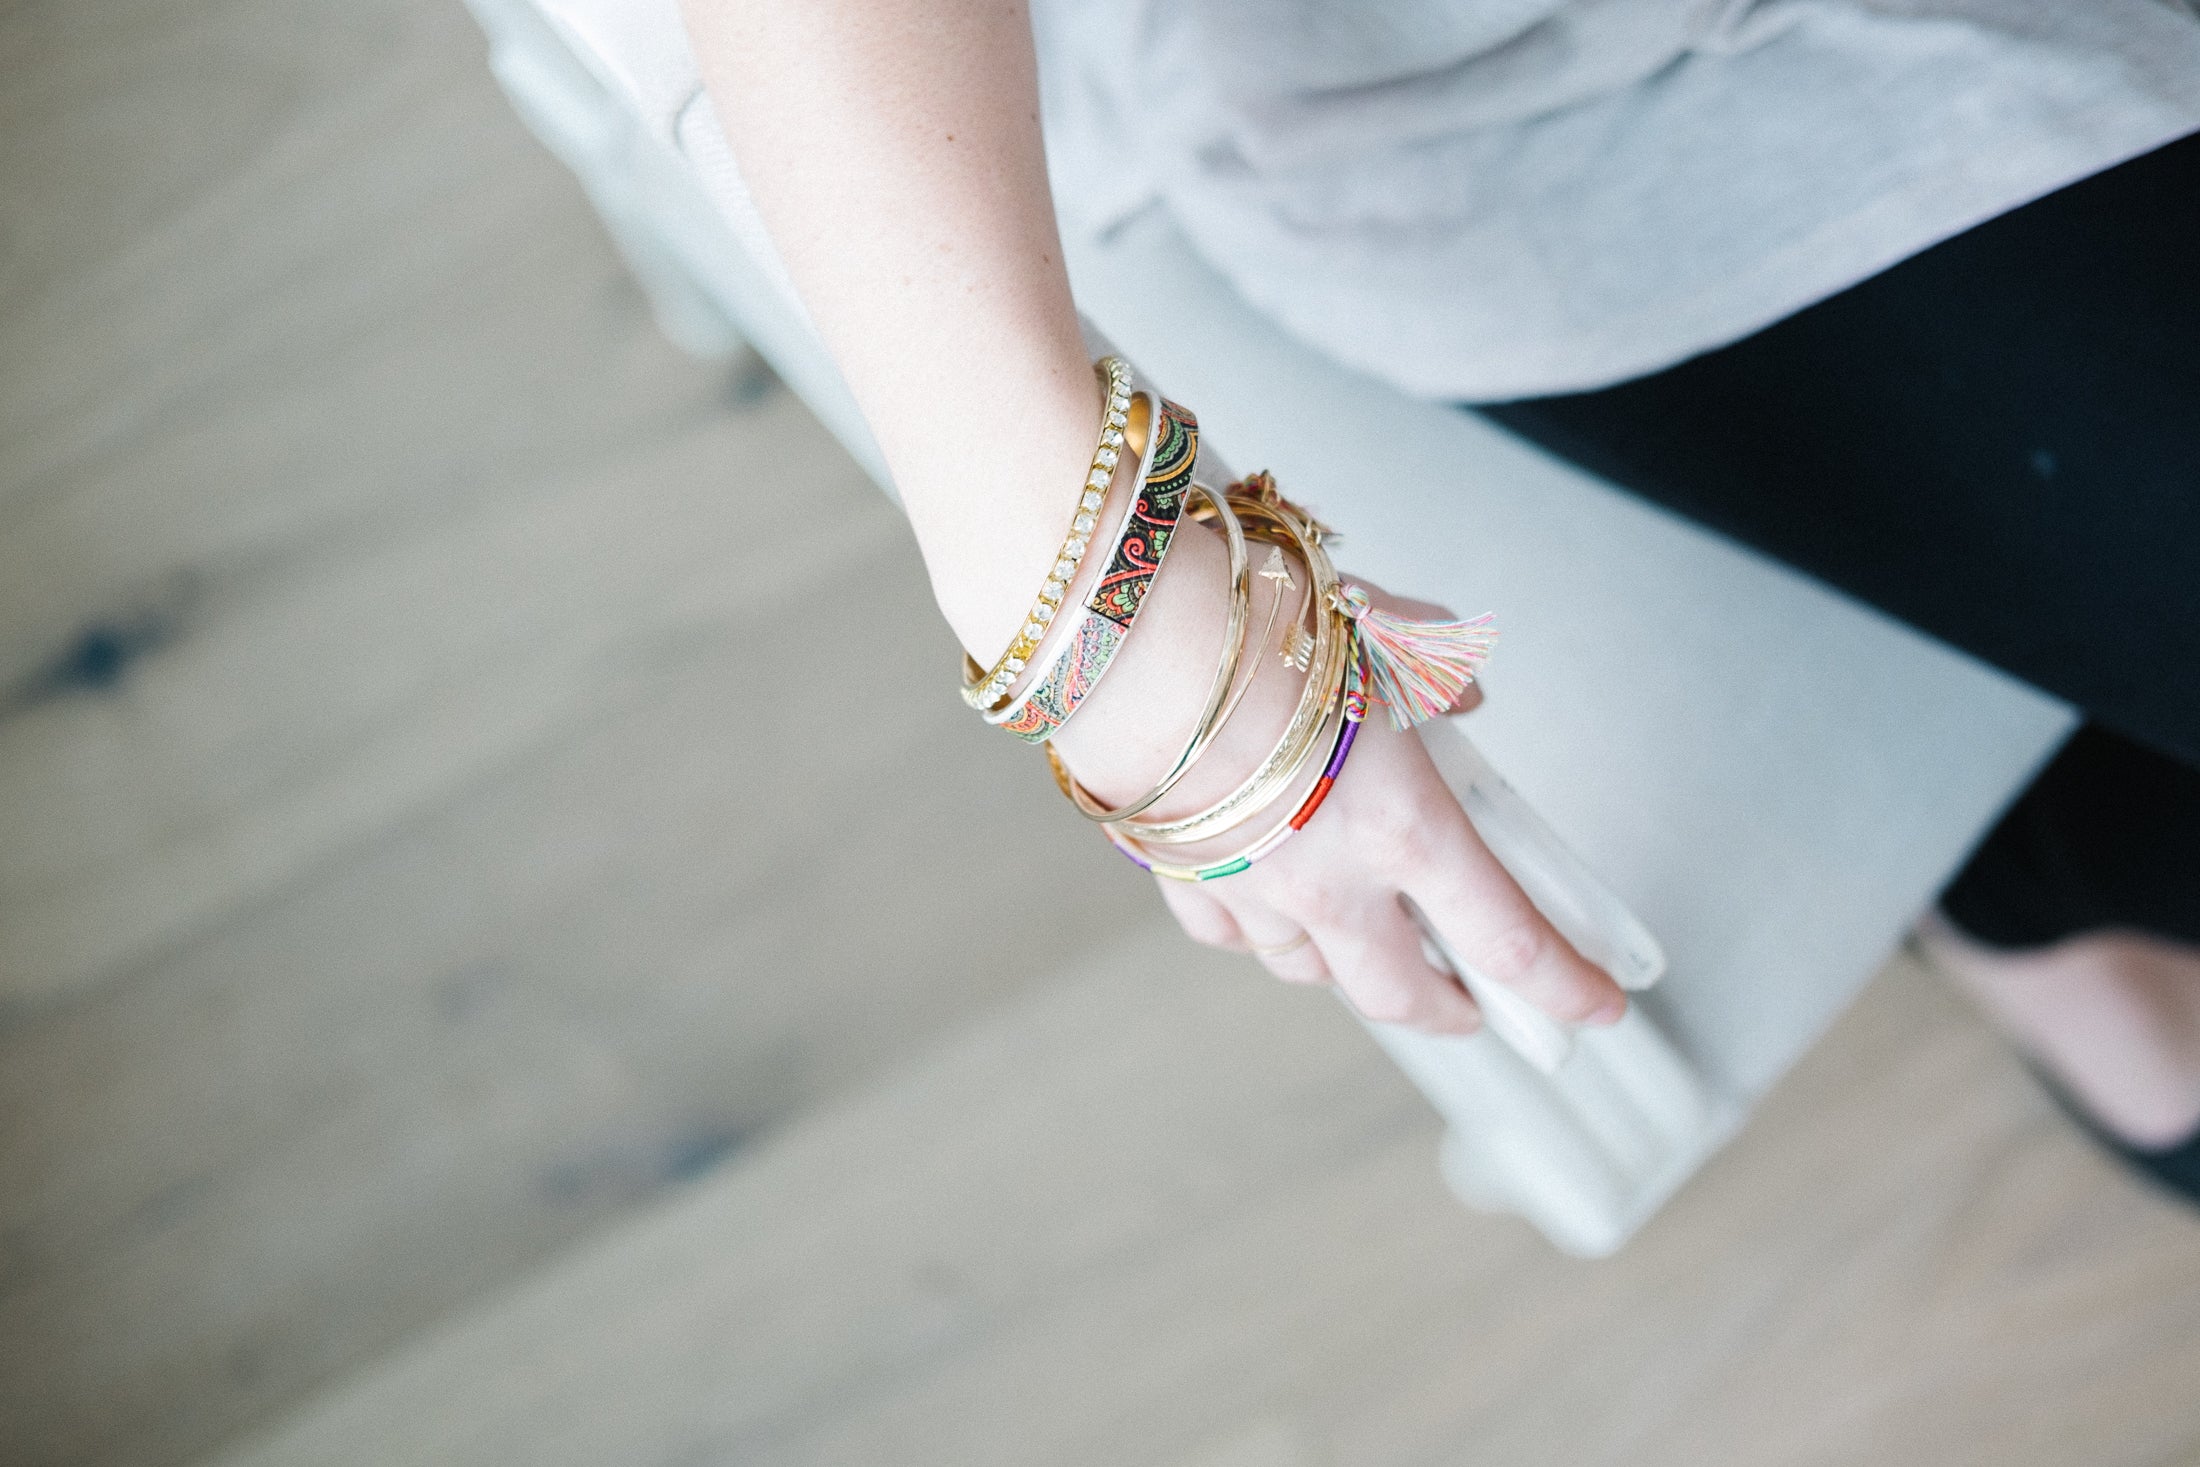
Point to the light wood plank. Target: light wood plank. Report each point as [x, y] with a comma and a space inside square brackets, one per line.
[454, 1051]
[459, 861]
[320, 432]
[444, 887]
[1162, 1214]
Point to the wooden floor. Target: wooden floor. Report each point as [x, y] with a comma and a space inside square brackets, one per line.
[415, 850]
[462, 1001]
[1162, 1213]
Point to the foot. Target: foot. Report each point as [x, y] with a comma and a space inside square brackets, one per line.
[2112, 1017]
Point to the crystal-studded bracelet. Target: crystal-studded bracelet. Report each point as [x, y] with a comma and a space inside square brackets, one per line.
[989, 688]
[1085, 650]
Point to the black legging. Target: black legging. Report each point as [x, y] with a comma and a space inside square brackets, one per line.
[1997, 440]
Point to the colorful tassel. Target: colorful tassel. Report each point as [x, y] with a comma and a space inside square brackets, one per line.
[1416, 669]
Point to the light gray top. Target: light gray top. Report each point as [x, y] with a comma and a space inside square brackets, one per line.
[1485, 199]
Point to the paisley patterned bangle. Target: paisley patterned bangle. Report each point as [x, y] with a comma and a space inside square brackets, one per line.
[1140, 543]
[988, 688]
[1333, 642]
[1226, 668]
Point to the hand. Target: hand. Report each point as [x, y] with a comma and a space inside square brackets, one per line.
[1329, 906]
[918, 227]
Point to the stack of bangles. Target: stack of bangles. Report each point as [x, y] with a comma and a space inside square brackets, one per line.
[1349, 652]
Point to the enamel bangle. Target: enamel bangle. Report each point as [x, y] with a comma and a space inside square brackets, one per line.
[1324, 663]
[1086, 650]
[1348, 732]
[990, 687]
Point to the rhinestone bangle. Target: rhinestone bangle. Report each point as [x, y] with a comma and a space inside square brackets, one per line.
[1084, 652]
[990, 689]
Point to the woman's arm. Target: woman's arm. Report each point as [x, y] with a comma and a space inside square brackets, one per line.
[893, 148]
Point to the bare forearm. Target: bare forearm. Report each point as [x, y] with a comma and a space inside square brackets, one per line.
[894, 150]
[893, 147]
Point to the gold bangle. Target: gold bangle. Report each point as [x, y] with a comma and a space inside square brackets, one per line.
[1352, 713]
[1265, 516]
[1212, 717]
[1301, 738]
[990, 689]
[1276, 569]
[1084, 646]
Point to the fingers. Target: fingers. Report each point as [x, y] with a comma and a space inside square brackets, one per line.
[1396, 834]
[1204, 920]
[1384, 971]
[1489, 922]
[1283, 947]
[1296, 958]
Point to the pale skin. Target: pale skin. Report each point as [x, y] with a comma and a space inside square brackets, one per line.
[894, 151]
[893, 148]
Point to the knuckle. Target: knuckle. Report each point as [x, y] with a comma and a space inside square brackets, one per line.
[1204, 920]
[1402, 833]
[1390, 1006]
[1316, 904]
[1513, 950]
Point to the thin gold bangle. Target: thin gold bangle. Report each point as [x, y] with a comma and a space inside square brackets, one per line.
[990, 689]
[1353, 697]
[1278, 570]
[1300, 737]
[1211, 718]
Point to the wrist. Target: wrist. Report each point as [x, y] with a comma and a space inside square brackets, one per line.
[989, 536]
[1134, 725]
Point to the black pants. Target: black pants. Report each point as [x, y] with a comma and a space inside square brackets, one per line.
[1997, 440]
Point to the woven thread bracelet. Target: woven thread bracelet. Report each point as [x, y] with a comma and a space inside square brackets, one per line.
[990, 687]
[1086, 651]
[1354, 713]
[1415, 668]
